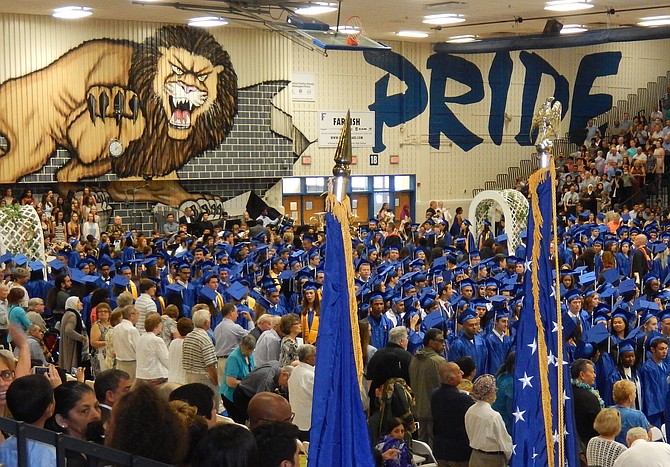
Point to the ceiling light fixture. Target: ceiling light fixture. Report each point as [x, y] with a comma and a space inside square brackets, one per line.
[569, 5]
[573, 29]
[464, 39]
[207, 21]
[414, 34]
[443, 19]
[317, 8]
[72, 12]
[655, 21]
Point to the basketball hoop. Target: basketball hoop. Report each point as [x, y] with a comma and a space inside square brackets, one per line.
[353, 27]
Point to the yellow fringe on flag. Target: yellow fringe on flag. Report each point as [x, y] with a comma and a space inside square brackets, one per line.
[342, 212]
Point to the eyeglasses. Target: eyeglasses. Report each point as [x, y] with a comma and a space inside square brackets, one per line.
[289, 419]
[8, 375]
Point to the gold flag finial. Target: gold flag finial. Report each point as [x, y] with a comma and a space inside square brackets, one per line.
[547, 120]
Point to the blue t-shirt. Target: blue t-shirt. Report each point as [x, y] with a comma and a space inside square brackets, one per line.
[237, 367]
[39, 454]
[630, 418]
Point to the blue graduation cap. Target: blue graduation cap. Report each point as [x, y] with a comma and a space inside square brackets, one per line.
[436, 319]
[91, 279]
[572, 294]
[175, 288]
[208, 293]
[261, 300]
[21, 259]
[501, 238]
[56, 264]
[36, 265]
[587, 279]
[611, 275]
[467, 314]
[118, 280]
[651, 337]
[77, 276]
[6, 257]
[237, 290]
[626, 286]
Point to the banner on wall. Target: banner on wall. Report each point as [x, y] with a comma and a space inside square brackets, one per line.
[362, 128]
[303, 87]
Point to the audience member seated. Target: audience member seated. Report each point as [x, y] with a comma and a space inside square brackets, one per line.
[278, 444]
[144, 424]
[603, 450]
[30, 399]
[642, 452]
[76, 408]
[227, 445]
[268, 407]
[199, 396]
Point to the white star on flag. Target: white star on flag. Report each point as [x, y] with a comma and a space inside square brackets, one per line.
[551, 359]
[518, 415]
[527, 264]
[526, 380]
[533, 346]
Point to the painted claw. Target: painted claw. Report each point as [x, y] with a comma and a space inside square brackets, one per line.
[90, 106]
[104, 103]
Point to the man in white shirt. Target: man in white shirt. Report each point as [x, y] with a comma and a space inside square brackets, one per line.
[301, 389]
[228, 334]
[642, 452]
[145, 302]
[489, 440]
[268, 346]
[125, 340]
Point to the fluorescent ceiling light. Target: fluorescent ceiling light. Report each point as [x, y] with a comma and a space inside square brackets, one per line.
[447, 18]
[346, 29]
[462, 39]
[207, 21]
[415, 34]
[655, 21]
[573, 29]
[317, 8]
[72, 12]
[568, 5]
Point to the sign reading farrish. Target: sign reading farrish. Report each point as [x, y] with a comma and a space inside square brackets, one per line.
[362, 128]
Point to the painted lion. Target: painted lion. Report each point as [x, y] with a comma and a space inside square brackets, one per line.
[158, 104]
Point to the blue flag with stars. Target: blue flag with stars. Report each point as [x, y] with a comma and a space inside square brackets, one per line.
[543, 431]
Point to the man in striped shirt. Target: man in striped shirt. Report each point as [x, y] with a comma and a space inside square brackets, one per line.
[199, 357]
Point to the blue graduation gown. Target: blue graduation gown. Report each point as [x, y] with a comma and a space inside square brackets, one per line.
[497, 350]
[654, 382]
[475, 348]
[623, 264]
[380, 330]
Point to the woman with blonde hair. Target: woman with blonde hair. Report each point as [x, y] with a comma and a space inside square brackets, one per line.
[624, 393]
[603, 450]
[99, 331]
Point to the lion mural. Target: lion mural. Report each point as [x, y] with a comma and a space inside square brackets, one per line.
[135, 110]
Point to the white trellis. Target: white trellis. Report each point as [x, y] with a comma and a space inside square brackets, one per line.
[21, 232]
[514, 207]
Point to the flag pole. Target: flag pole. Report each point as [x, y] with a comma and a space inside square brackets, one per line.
[342, 169]
[548, 119]
[338, 418]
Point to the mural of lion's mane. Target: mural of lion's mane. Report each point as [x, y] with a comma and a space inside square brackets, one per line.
[155, 153]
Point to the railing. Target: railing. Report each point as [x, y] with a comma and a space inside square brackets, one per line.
[93, 452]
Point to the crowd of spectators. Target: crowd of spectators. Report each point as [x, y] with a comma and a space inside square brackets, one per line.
[143, 338]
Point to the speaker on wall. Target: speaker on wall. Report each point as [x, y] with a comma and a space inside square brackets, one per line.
[553, 26]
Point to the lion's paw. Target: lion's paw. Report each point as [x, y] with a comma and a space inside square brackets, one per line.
[112, 102]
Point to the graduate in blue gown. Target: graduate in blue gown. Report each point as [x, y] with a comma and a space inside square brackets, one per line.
[498, 342]
[470, 342]
[653, 377]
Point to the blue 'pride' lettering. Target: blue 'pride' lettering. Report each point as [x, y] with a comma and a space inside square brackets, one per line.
[396, 109]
